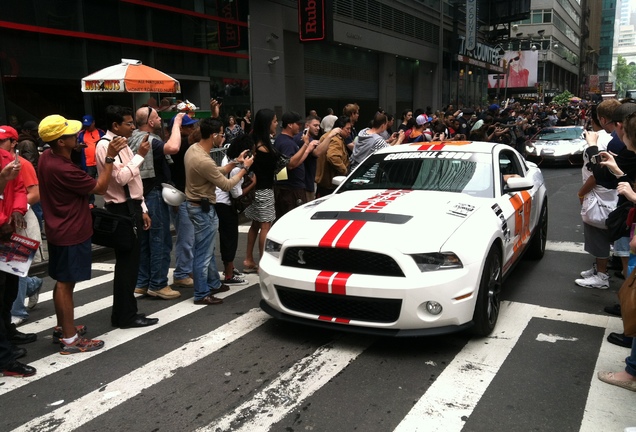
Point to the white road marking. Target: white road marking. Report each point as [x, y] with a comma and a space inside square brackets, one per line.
[455, 393]
[541, 337]
[557, 246]
[82, 410]
[80, 286]
[57, 362]
[292, 387]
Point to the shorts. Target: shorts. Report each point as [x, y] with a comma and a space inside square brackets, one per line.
[621, 247]
[70, 263]
[288, 199]
[597, 242]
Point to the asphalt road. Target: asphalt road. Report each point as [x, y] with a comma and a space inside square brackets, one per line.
[231, 367]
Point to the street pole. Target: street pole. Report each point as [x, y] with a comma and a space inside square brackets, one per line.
[545, 64]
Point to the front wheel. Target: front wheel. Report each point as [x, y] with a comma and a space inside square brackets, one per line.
[488, 302]
[536, 248]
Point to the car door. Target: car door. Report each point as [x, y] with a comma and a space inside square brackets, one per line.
[517, 207]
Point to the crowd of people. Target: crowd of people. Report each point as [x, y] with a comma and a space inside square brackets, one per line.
[287, 165]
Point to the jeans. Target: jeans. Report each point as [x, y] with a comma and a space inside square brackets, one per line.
[206, 275]
[155, 244]
[184, 242]
[27, 286]
[630, 362]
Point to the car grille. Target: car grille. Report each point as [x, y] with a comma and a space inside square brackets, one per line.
[342, 260]
[340, 306]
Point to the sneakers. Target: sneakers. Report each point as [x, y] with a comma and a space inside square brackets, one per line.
[33, 299]
[81, 345]
[17, 320]
[143, 291]
[17, 369]
[599, 281]
[165, 293]
[57, 332]
[236, 281]
[235, 272]
[589, 273]
[184, 283]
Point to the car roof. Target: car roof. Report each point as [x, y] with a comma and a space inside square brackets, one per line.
[460, 146]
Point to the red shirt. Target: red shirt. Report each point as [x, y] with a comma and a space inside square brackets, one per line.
[14, 194]
[64, 196]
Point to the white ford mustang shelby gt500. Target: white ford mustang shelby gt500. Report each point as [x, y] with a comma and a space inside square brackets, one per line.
[415, 241]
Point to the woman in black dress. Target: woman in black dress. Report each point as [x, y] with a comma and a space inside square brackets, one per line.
[261, 212]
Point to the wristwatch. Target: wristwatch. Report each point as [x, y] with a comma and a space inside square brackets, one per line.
[110, 159]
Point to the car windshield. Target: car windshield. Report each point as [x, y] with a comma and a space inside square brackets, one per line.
[458, 172]
[555, 134]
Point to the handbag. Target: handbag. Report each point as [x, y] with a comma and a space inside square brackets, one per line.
[281, 162]
[617, 221]
[597, 205]
[627, 298]
[246, 199]
[114, 230]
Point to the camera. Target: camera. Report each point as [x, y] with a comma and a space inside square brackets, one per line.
[596, 159]
[249, 153]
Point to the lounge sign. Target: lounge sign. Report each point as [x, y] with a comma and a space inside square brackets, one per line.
[311, 20]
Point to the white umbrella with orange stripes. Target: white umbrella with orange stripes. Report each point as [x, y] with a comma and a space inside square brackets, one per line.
[130, 76]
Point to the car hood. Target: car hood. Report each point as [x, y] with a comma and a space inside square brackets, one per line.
[559, 147]
[411, 223]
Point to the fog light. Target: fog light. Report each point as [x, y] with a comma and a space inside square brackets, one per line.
[433, 308]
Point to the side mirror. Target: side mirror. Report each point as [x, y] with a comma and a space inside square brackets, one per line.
[516, 184]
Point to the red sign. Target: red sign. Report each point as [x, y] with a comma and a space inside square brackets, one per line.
[229, 34]
[311, 20]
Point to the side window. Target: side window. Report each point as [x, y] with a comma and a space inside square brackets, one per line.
[508, 165]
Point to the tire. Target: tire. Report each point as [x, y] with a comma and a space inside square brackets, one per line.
[488, 301]
[536, 248]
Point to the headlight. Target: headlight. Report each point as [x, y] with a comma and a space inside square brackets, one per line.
[272, 247]
[437, 261]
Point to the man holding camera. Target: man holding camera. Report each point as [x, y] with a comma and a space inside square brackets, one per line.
[203, 176]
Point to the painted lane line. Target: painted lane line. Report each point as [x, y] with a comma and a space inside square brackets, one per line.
[562, 246]
[80, 286]
[56, 362]
[458, 389]
[70, 416]
[292, 387]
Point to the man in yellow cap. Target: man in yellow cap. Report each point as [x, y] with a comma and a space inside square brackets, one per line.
[65, 189]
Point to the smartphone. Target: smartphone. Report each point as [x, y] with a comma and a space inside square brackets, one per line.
[305, 131]
[596, 159]
[16, 161]
[219, 99]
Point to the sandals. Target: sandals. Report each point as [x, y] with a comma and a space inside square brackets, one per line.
[250, 269]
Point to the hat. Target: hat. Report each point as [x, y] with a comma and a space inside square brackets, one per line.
[8, 132]
[493, 107]
[621, 111]
[54, 126]
[185, 121]
[30, 125]
[468, 111]
[290, 117]
[422, 119]
[87, 120]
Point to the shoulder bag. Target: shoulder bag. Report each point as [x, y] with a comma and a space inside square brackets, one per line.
[114, 230]
[617, 222]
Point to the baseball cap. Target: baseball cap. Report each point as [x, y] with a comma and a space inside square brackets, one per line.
[493, 107]
[621, 111]
[290, 117]
[422, 119]
[30, 125]
[8, 132]
[54, 126]
[87, 120]
[186, 121]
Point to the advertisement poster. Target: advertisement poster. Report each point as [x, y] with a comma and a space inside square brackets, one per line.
[520, 70]
[16, 254]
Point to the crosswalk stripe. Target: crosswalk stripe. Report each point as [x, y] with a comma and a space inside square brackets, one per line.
[292, 387]
[455, 393]
[56, 362]
[563, 246]
[70, 416]
[80, 286]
